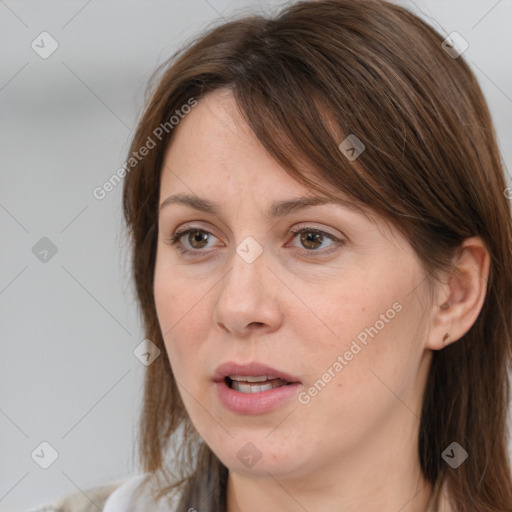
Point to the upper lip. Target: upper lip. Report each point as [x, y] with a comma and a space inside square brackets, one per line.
[253, 369]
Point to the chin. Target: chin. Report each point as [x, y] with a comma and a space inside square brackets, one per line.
[260, 458]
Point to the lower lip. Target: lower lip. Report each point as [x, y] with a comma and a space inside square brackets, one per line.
[255, 403]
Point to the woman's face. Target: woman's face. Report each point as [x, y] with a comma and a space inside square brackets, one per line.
[333, 316]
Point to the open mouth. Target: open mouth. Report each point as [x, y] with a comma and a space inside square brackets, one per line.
[252, 384]
[254, 388]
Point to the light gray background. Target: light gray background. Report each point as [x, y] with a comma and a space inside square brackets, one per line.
[68, 326]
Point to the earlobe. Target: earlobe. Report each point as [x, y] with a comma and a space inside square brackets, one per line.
[464, 295]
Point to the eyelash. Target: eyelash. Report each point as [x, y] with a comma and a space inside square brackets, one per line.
[174, 240]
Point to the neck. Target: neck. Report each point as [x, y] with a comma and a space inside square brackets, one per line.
[361, 493]
[382, 473]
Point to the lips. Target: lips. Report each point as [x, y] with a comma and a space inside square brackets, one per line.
[253, 371]
[254, 388]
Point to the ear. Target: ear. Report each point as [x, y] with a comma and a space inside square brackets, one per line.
[461, 296]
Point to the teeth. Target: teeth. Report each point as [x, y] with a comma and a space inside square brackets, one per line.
[262, 378]
[253, 388]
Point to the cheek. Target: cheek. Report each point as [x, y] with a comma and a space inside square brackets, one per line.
[182, 316]
[363, 329]
[171, 312]
[172, 297]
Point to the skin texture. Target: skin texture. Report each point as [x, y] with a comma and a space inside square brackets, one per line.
[353, 446]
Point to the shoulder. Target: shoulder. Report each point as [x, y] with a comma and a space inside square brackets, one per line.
[87, 500]
[123, 496]
[133, 494]
[136, 495]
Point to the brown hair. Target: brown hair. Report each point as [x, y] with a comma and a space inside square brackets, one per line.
[304, 80]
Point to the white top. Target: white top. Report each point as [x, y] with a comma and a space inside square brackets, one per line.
[123, 499]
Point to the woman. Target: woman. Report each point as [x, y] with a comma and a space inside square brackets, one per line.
[322, 254]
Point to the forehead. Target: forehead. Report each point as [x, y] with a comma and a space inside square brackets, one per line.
[214, 157]
[213, 141]
[214, 154]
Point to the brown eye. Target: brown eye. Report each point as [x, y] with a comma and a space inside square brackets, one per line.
[197, 240]
[311, 239]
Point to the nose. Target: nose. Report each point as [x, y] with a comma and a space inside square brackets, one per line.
[248, 298]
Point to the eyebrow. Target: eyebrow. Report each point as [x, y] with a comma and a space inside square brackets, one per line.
[276, 209]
